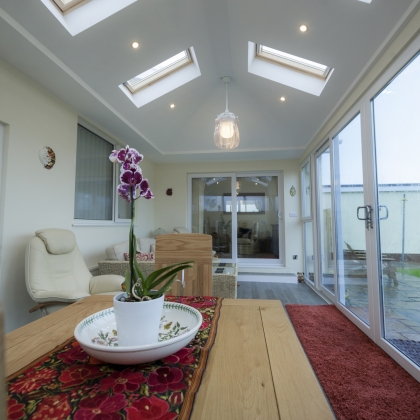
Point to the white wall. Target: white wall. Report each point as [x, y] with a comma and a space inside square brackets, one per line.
[171, 211]
[32, 197]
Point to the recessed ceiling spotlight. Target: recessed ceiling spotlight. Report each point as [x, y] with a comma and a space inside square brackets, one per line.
[135, 44]
[282, 98]
[172, 106]
[303, 28]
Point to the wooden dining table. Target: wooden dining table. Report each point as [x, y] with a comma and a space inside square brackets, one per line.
[257, 368]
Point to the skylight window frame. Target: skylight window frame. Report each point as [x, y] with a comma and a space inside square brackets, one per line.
[161, 74]
[70, 6]
[292, 62]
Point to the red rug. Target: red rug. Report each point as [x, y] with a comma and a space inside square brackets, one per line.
[66, 383]
[360, 380]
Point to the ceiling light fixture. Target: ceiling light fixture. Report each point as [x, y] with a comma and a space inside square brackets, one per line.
[282, 98]
[303, 28]
[226, 132]
[135, 44]
[172, 106]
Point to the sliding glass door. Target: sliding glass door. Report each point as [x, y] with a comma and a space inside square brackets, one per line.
[325, 221]
[208, 211]
[351, 219]
[395, 113]
[242, 214]
[367, 212]
[257, 205]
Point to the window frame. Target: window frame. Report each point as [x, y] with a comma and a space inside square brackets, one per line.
[115, 221]
[161, 74]
[281, 60]
[305, 217]
[70, 6]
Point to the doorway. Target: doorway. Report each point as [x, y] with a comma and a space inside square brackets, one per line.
[241, 211]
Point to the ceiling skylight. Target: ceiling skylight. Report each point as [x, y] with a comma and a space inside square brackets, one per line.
[78, 15]
[66, 5]
[292, 61]
[159, 71]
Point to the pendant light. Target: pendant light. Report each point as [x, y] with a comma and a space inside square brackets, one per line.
[226, 132]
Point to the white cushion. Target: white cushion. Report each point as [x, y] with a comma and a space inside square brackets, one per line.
[57, 241]
[146, 245]
[116, 252]
[105, 283]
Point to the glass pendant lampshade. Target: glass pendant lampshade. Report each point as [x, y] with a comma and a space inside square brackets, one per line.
[226, 132]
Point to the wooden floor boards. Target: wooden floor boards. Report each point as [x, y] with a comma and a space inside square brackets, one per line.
[287, 293]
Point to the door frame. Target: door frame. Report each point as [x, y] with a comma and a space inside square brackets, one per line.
[317, 217]
[348, 117]
[250, 262]
[385, 79]
[373, 256]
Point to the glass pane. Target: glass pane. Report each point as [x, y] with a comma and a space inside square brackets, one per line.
[124, 209]
[293, 58]
[306, 190]
[309, 251]
[325, 221]
[209, 215]
[257, 206]
[350, 231]
[94, 177]
[158, 68]
[396, 129]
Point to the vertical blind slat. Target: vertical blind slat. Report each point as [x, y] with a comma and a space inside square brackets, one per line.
[94, 172]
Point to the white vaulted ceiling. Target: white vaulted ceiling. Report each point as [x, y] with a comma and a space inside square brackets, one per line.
[85, 70]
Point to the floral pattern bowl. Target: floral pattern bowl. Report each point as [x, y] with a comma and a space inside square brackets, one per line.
[97, 334]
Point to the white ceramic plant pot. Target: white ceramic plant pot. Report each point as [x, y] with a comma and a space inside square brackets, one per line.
[137, 322]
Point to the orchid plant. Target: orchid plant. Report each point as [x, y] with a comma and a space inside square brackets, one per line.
[133, 186]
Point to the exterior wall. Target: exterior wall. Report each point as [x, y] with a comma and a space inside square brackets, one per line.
[32, 197]
[171, 211]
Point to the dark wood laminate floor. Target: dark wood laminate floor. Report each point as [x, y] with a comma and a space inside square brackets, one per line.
[298, 293]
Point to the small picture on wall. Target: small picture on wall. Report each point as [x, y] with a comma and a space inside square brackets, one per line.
[47, 157]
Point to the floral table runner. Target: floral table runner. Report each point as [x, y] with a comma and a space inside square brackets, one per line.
[68, 383]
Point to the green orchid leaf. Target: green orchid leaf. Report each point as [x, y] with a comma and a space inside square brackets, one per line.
[173, 271]
[165, 287]
[127, 282]
[140, 275]
[153, 276]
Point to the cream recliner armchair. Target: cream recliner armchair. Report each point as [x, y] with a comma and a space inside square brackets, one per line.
[56, 274]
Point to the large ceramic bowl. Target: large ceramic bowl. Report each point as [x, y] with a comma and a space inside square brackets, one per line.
[97, 334]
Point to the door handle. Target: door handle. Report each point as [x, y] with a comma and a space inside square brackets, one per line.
[387, 212]
[368, 215]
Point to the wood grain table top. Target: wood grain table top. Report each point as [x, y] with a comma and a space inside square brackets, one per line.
[257, 368]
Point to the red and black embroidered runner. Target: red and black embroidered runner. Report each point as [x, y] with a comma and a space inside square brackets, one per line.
[67, 383]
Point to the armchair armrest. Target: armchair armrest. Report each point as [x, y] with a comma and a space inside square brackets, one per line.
[105, 283]
[69, 296]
